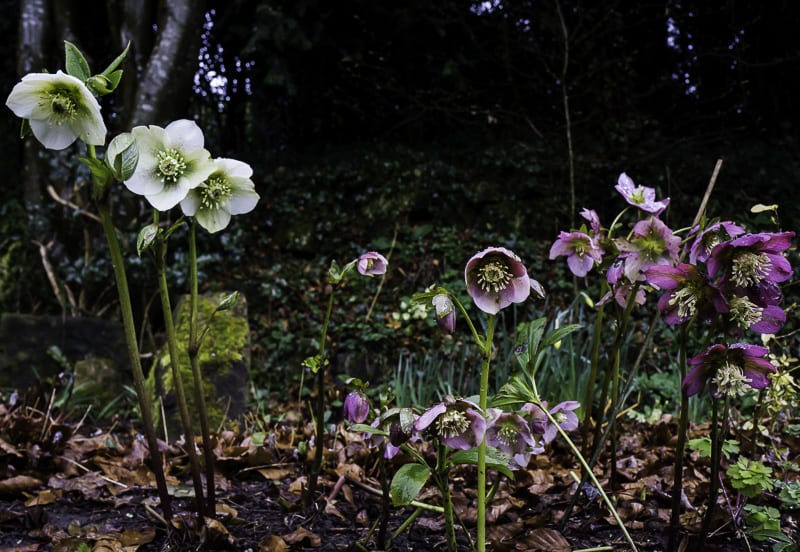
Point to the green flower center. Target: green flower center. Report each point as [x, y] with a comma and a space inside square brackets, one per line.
[452, 424]
[731, 381]
[494, 276]
[63, 105]
[749, 268]
[637, 197]
[686, 301]
[560, 417]
[744, 312]
[171, 165]
[217, 190]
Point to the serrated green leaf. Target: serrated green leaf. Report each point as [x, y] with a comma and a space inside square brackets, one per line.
[408, 482]
[146, 238]
[76, 64]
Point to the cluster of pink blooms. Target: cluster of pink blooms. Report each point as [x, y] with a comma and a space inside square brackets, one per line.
[495, 278]
[731, 276]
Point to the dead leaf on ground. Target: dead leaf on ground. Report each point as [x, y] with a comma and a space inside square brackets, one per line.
[47, 496]
[544, 540]
[273, 543]
[18, 484]
[301, 534]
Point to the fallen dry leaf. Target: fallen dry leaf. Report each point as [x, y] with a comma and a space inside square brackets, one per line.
[302, 534]
[47, 496]
[273, 543]
[544, 540]
[18, 484]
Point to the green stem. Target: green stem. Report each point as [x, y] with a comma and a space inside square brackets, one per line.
[487, 359]
[385, 501]
[680, 447]
[131, 341]
[194, 360]
[443, 481]
[409, 520]
[716, 450]
[588, 399]
[316, 468]
[177, 380]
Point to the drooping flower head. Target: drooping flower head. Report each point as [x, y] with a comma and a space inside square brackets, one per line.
[227, 191]
[399, 424]
[730, 370]
[593, 218]
[511, 434]
[445, 312]
[172, 162]
[700, 243]
[372, 263]
[563, 413]
[652, 243]
[356, 407]
[752, 259]
[688, 293]
[496, 278]
[641, 197]
[59, 108]
[580, 249]
[457, 423]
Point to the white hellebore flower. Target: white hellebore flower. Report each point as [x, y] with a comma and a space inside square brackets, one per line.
[59, 108]
[228, 191]
[172, 161]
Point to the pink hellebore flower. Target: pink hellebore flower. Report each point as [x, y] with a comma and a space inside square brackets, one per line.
[593, 218]
[496, 278]
[700, 243]
[640, 196]
[445, 312]
[356, 407]
[372, 264]
[581, 251]
[729, 369]
[457, 423]
[652, 243]
[511, 434]
[563, 413]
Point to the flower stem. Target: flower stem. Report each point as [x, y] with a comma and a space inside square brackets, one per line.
[716, 450]
[680, 447]
[588, 399]
[487, 359]
[177, 380]
[131, 340]
[316, 468]
[443, 481]
[199, 396]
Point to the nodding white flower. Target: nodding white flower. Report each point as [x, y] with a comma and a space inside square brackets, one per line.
[227, 191]
[59, 108]
[172, 161]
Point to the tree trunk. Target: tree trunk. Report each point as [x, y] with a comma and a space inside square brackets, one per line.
[166, 84]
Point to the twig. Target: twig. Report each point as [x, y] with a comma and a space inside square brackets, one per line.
[87, 470]
[66, 298]
[73, 206]
[709, 189]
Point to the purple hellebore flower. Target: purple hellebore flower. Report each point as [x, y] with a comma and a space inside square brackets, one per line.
[445, 312]
[399, 424]
[747, 311]
[563, 413]
[652, 243]
[458, 423]
[700, 243]
[580, 249]
[511, 434]
[688, 293]
[752, 259]
[356, 407]
[592, 217]
[729, 370]
[641, 197]
[496, 278]
[372, 263]
[620, 292]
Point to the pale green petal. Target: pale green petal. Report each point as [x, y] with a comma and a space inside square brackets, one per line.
[234, 167]
[213, 220]
[168, 197]
[190, 204]
[243, 201]
[201, 167]
[184, 135]
[55, 137]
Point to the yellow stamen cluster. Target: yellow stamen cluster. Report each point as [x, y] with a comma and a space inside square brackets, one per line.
[508, 434]
[744, 312]
[63, 106]
[686, 301]
[452, 424]
[171, 165]
[731, 381]
[494, 276]
[749, 268]
[215, 192]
